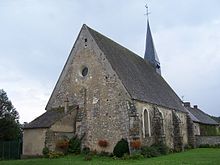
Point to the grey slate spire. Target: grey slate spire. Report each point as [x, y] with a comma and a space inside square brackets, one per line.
[150, 54]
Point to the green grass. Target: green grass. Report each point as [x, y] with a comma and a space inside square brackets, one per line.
[202, 156]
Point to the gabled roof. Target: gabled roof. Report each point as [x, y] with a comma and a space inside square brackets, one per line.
[193, 118]
[48, 118]
[201, 116]
[137, 75]
[45, 120]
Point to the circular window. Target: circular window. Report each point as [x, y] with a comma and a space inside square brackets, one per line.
[85, 71]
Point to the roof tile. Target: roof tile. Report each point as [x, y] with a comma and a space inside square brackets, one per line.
[137, 75]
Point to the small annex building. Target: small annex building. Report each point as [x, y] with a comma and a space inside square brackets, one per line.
[116, 94]
[204, 125]
[50, 127]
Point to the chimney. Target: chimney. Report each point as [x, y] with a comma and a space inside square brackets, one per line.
[186, 104]
[66, 105]
[195, 106]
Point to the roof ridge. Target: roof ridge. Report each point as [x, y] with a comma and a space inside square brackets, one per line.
[205, 114]
[137, 75]
[202, 116]
[90, 29]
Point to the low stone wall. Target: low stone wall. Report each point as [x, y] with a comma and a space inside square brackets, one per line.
[211, 140]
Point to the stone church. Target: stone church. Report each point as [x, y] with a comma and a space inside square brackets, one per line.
[107, 92]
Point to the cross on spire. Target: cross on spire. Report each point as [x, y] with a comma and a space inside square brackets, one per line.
[147, 11]
[150, 54]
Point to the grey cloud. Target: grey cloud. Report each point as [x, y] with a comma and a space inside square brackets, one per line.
[37, 36]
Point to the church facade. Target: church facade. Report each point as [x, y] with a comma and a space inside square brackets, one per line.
[106, 92]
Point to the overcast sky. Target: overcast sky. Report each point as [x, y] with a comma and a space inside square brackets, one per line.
[36, 37]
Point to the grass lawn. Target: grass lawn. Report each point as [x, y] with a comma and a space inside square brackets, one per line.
[196, 156]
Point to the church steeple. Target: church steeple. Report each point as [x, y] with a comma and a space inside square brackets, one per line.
[150, 54]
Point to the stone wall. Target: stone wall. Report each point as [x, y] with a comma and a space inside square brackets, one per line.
[191, 132]
[67, 123]
[211, 140]
[168, 125]
[208, 130]
[140, 106]
[53, 137]
[88, 80]
[33, 141]
[62, 129]
[196, 128]
[165, 118]
[177, 133]
[158, 125]
[100, 95]
[183, 125]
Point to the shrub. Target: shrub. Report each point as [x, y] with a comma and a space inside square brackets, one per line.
[55, 154]
[209, 146]
[162, 149]
[133, 156]
[45, 151]
[86, 150]
[187, 147]
[93, 152]
[103, 153]
[136, 155]
[149, 152]
[208, 130]
[103, 143]
[204, 146]
[125, 157]
[136, 144]
[217, 145]
[62, 144]
[74, 145]
[155, 150]
[121, 148]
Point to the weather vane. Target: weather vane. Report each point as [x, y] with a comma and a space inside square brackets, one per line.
[147, 11]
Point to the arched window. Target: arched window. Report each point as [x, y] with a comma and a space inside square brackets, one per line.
[146, 123]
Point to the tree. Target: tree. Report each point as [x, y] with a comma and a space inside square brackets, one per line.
[7, 110]
[9, 123]
[217, 119]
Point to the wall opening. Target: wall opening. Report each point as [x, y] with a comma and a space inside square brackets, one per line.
[146, 123]
[84, 71]
[85, 42]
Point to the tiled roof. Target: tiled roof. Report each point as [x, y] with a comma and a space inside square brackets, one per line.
[48, 118]
[192, 116]
[201, 116]
[137, 75]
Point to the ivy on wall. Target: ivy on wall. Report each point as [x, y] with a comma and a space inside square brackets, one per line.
[209, 130]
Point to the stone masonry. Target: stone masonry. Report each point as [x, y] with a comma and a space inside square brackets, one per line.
[158, 127]
[100, 94]
[191, 134]
[106, 110]
[178, 138]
